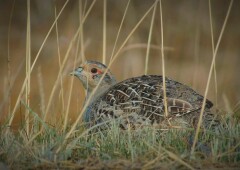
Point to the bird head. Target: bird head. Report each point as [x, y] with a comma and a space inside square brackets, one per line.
[90, 74]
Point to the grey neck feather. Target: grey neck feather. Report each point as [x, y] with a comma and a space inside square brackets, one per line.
[101, 89]
[99, 92]
[109, 81]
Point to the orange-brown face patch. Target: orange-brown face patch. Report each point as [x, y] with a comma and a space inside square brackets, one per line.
[99, 70]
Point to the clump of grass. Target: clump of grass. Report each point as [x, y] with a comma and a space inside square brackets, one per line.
[147, 147]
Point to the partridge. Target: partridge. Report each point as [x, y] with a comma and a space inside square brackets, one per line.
[139, 101]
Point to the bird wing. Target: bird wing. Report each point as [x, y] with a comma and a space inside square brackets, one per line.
[144, 96]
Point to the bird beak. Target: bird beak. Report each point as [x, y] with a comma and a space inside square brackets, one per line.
[77, 71]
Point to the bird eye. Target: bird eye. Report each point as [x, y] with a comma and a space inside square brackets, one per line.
[93, 70]
[80, 68]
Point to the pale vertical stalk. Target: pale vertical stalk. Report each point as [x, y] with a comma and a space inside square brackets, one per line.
[80, 40]
[70, 94]
[9, 61]
[64, 62]
[83, 8]
[104, 30]
[81, 16]
[61, 94]
[60, 71]
[214, 69]
[120, 27]
[33, 65]
[109, 65]
[28, 67]
[149, 40]
[163, 65]
[41, 91]
[209, 78]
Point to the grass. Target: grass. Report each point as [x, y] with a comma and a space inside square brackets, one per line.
[47, 139]
[143, 148]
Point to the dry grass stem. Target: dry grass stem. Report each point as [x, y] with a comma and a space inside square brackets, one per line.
[209, 77]
[94, 91]
[65, 60]
[28, 68]
[214, 65]
[104, 31]
[61, 94]
[41, 91]
[81, 16]
[149, 40]
[33, 65]
[163, 64]
[119, 30]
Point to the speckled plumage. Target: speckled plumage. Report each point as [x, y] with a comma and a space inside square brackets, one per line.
[138, 101]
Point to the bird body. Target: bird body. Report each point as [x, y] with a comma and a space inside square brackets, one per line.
[139, 101]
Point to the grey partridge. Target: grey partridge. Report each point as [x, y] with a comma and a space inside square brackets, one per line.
[139, 101]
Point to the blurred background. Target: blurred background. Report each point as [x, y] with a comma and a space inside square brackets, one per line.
[187, 39]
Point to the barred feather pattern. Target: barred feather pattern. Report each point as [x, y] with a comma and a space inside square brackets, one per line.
[138, 102]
